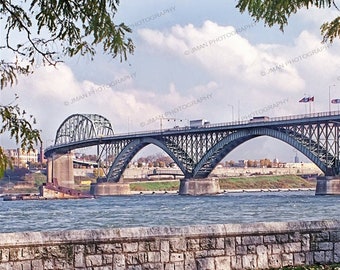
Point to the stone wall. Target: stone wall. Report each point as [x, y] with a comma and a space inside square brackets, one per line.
[215, 247]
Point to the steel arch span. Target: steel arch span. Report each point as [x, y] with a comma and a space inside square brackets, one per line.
[130, 150]
[232, 141]
[198, 150]
[80, 127]
[216, 153]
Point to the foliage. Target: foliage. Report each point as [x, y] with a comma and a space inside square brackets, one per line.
[20, 129]
[278, 12]
[313, 267]
[38, 33]
[36, 29]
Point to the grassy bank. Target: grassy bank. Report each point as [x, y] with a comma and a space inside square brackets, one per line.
[254, 182]
[266, 182]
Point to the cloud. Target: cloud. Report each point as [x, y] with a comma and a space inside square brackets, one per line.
[246, 71]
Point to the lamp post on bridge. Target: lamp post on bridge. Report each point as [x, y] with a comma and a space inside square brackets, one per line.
[232, 111]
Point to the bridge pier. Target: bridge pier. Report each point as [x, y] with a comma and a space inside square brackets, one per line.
[328, 185]
[109, 189]
[203, 186]
[60, 167]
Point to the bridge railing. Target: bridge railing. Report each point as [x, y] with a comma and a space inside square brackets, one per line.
[232, 123]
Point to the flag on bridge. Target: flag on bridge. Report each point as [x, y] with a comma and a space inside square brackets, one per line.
[307, 99]
[335, 101]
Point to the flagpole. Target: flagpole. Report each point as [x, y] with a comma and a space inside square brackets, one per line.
[329, 97]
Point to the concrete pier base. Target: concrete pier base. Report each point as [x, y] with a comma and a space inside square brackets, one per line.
[199, 186]
[328, 185]
[109, 189]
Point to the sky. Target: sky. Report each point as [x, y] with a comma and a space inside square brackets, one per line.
[206, 54]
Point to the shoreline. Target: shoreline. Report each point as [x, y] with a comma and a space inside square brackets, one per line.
[164, 192]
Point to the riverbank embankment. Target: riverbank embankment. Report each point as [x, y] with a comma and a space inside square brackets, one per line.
[267, 245]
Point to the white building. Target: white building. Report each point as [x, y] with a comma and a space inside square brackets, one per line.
[20, 158]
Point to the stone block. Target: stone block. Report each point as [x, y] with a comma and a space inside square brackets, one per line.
[329, 256]
[177, 245]
[223, 262]
[24, 265]
[292, 247]
[252, 240]
[309, 258]
[94, 260]
[274, 261]
[320, 237]
[152, 266]
[299, 258]
[319, 256]
[295, 237]
[107, 259]
[189, 261]
[62, 264]
[205, 264]
[136, 258]
[79, 260]
[110, 248]
[90, 248]
[165, 251]
[335, 236]
[230, 246]
[287, 259]
[37, 264]
[236, 262]
[131, 267]
[130, 247]
[262, 256]
[5, 255]
[251, 249]
[48, 264]
[119, 262]
[305, 242]
[249, 261]
[149, 245]
[241, 250]
[201, 254]
[282, 238]
[220, 243]
[154, 257]
[277, 249]
[193, 244]
[215, 252]
[269, 239]
[325, 246]
[176, 257]
[170, 266]
[208, 243]
[337, 252]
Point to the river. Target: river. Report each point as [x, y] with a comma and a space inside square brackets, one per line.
[166, 209]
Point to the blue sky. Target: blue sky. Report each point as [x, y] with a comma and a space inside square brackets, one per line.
[186, 50]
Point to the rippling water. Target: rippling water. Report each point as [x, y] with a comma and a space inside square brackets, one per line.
[175, 210]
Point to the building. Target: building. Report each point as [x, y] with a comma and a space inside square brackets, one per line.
[21, 158]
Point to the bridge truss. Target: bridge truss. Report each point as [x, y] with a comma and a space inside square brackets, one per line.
[197, 151]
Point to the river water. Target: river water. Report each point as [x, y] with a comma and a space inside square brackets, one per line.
[166, 209]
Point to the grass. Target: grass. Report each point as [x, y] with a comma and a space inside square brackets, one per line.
[155, 186]
[266, 182]
[255, 182]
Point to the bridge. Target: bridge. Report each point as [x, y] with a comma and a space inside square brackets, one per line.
[197, 150]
